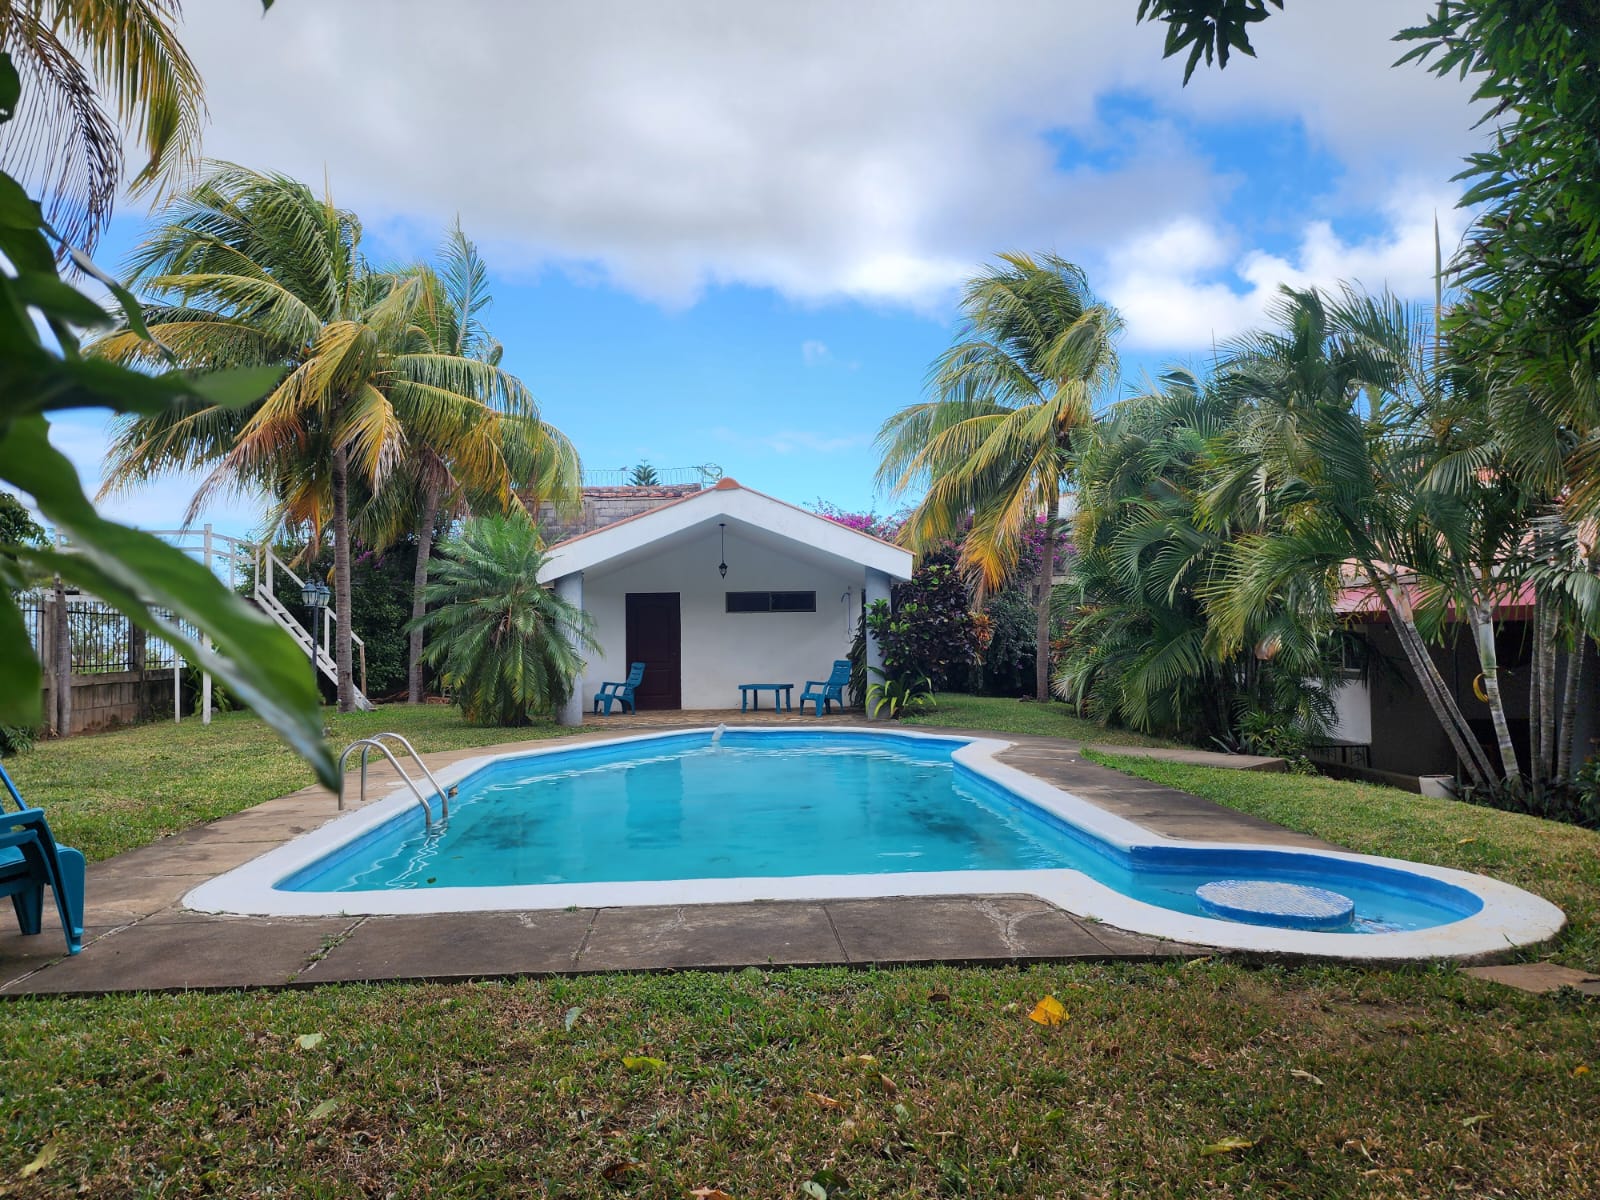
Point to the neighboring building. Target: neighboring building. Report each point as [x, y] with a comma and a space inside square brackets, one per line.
[601, 506]
[1386, 724]
[719, 587]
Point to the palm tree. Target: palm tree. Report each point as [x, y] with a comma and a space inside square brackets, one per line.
[255, 269]
[1035, 352]
[506, 647]
[477, 468]
[65, 142]
[1140, 649]
[1330, 439]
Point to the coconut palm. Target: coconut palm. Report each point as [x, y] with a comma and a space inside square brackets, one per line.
[91, 70]
[483, 460]
[506, 647]
[255, 269]
[993, 444]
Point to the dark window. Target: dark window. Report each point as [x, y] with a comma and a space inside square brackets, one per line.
[760, 602]
[794, 602]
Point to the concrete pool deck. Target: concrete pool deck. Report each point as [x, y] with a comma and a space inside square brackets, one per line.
[139, 937]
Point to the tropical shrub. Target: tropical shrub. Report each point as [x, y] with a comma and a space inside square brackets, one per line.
[894, 698]
[506, 648]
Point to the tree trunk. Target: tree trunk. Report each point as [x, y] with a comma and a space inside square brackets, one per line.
[430, 514]
[1482, 616]
[341, 580]
[1569, 709]
[1047, 570]
[1545, 684]
[1445, 708]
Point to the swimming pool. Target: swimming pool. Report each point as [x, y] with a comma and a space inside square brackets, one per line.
[706, 816]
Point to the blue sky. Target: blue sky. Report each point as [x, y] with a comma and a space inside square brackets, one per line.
[734, 234]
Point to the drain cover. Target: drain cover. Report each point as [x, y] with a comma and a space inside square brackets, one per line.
[1286, 905]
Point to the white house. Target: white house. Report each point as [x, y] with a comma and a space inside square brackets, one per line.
[722, 587]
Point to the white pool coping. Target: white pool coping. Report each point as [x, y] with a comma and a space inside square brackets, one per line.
[1510, 917]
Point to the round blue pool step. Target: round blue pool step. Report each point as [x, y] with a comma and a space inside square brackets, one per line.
[1285, 905]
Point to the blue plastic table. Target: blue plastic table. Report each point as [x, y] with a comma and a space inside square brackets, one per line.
[781, 696]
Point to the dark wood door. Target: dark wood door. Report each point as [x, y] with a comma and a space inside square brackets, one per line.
[655, 638]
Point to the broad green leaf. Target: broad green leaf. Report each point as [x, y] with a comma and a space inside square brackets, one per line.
[235, 387]
[322, 1110]
[572, 1016]
[54, 298]
[310, 1041]
[133, 571]
[20, 683]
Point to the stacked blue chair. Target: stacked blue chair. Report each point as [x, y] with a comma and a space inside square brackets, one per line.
[620, 693]
[30, 861]
[827, 692]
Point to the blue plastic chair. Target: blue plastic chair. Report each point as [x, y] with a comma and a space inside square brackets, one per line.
[824, 692]
[30, 860]
[620, 693]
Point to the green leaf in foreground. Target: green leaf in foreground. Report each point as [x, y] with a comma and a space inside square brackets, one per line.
[309, 1041]
[644, 1063]
[136, 573]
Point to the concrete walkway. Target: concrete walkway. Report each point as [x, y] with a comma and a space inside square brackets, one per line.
[138, 937]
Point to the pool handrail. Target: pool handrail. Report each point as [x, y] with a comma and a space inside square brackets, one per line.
[369, 744]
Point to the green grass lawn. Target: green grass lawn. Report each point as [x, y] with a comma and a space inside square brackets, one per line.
[1414, 1082]
[110, 792]
[1003, 714]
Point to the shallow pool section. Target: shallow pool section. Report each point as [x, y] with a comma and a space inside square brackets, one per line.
[713, 815]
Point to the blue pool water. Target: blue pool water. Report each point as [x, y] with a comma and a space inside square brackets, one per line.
[812, 803]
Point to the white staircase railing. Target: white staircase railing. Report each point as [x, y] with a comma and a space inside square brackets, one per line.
[231, 559]
[266, 565]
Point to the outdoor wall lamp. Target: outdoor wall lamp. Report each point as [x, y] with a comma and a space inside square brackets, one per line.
[722, 567]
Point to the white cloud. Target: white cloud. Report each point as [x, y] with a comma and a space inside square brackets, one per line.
[832, 149]
[792, 441]
[1180, 287]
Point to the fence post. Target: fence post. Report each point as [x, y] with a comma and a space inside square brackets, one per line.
[61, 658]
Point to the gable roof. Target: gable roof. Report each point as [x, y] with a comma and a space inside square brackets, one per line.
[736, 504]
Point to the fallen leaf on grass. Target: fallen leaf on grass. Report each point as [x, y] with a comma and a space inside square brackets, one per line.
[322, 1110]
[1474, 1119]
[309, 1041]
[643, 1062]
[1227, 1145]
[1307, 1076]
[1580, 1069]
[889, 1085]
[620, 1170]
[825, 1101]
[43, 1159]
[1465, 841]
[572, 1016]
[866, 1059]
[709, 1193]
[938, 997]
[1048, 1012]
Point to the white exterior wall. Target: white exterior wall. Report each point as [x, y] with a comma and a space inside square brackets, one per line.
[1352, 707]
[721, 649]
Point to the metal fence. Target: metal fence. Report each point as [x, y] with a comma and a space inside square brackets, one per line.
[103, 640]
[705, 475]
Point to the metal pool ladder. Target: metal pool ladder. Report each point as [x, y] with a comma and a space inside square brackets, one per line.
[367, 745]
